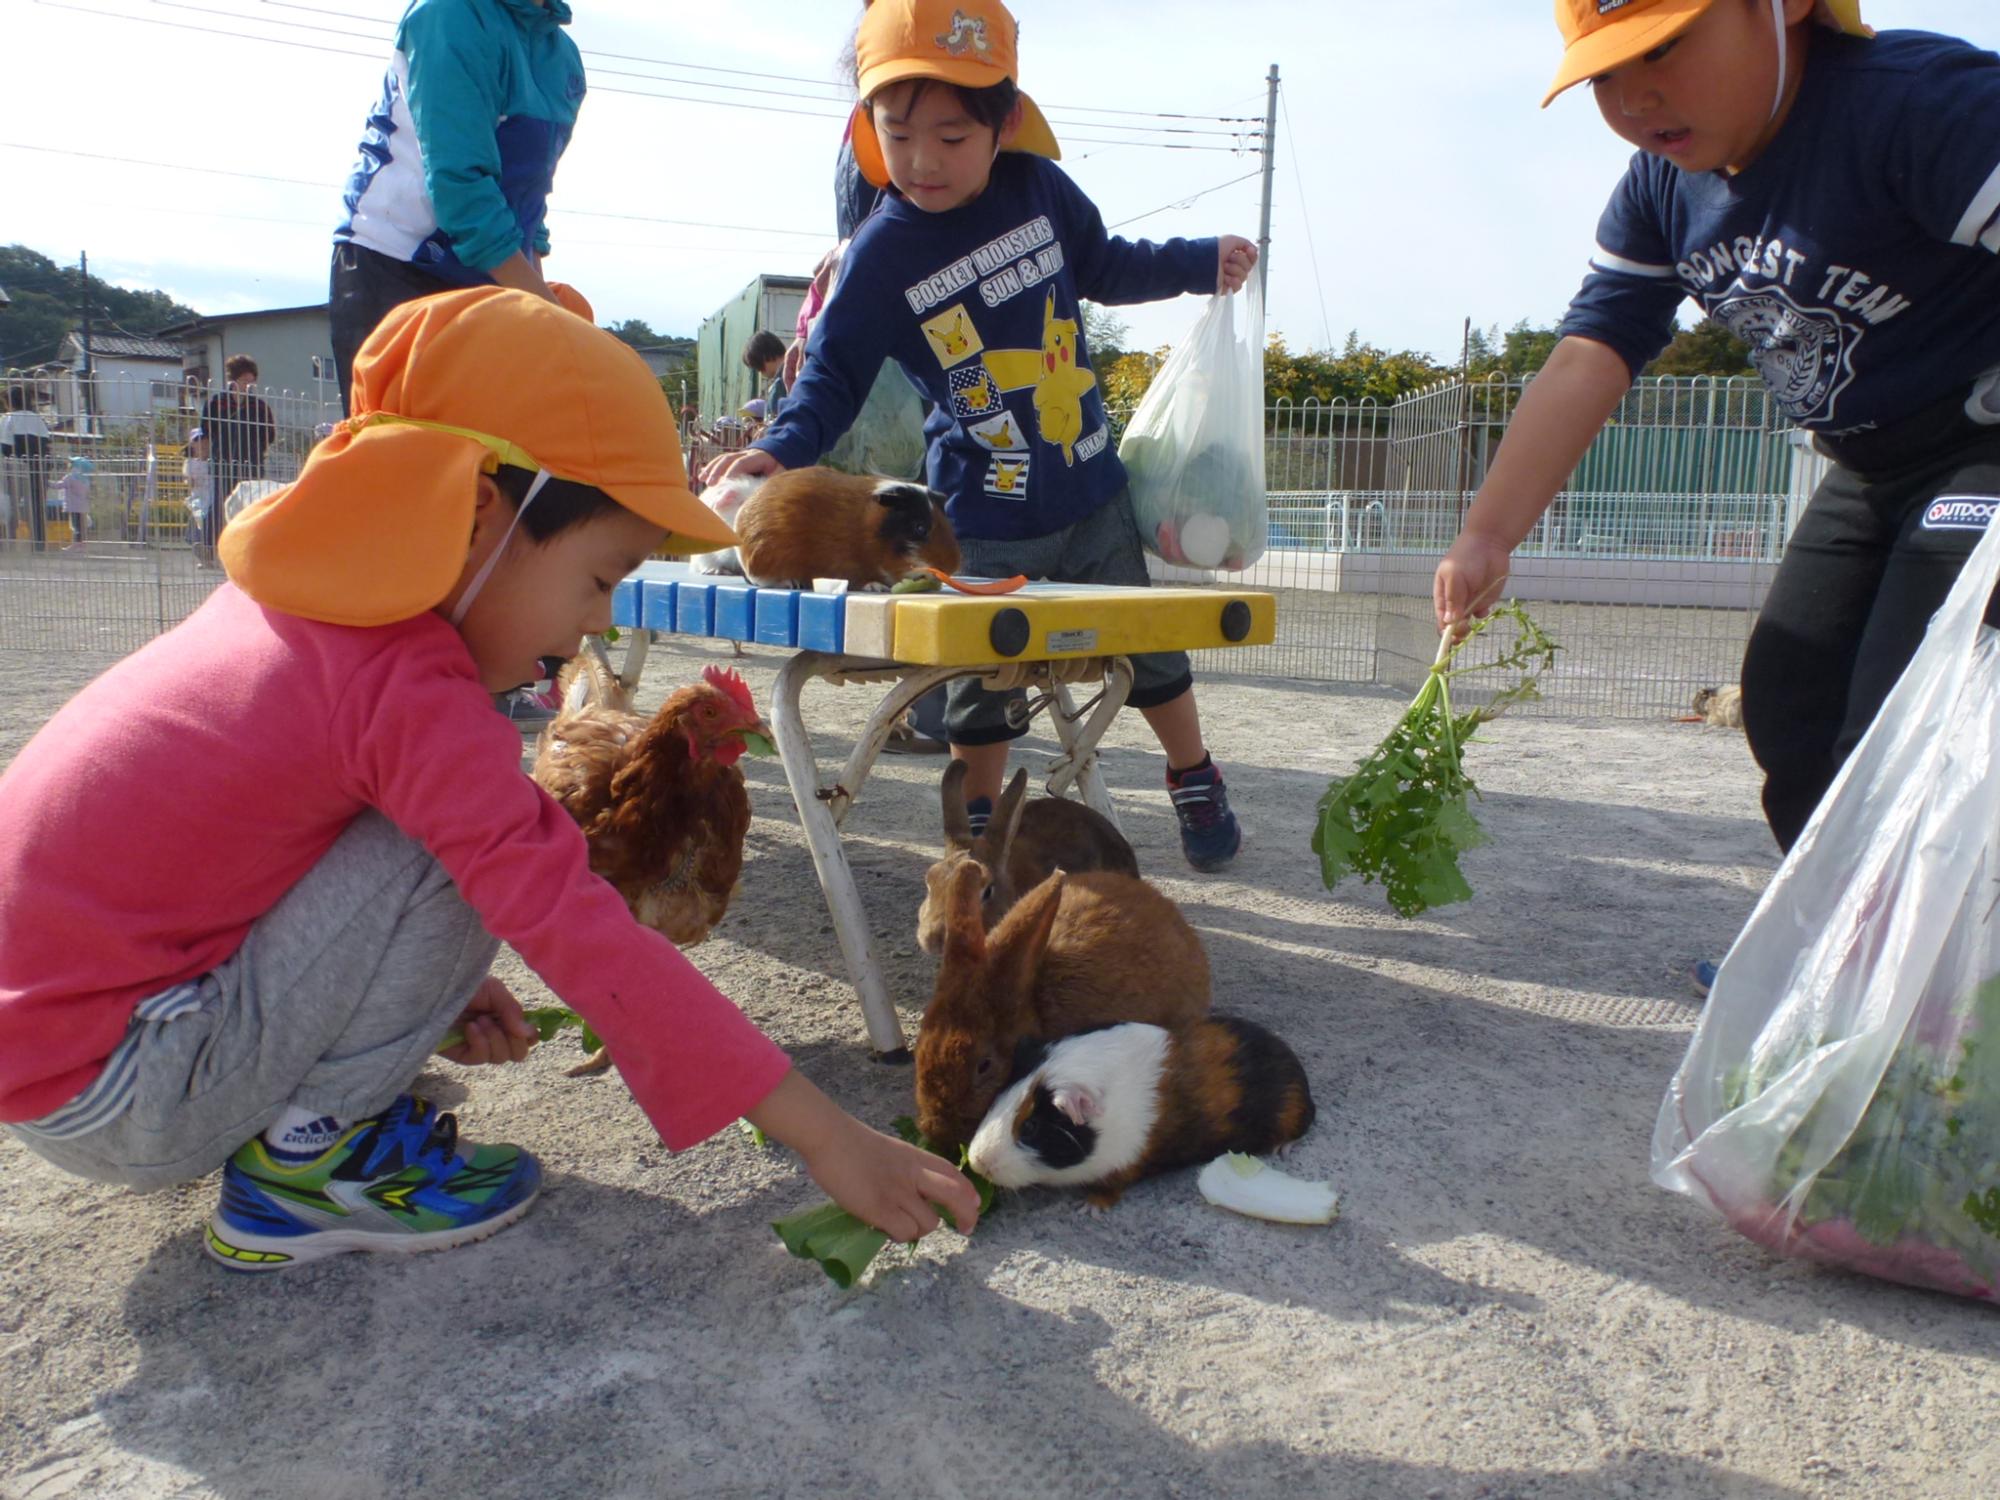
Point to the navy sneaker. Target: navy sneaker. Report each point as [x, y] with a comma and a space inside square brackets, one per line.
[1702, 977]
[1210, 835]
[398, 1182]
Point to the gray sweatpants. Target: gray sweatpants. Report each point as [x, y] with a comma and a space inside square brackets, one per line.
[336, 998]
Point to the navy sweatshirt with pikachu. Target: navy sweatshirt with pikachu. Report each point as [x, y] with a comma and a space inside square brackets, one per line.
[979, 305]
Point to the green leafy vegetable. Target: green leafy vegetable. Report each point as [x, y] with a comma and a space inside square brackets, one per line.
[1402, 818]
[844, 1245]
[1919, 1173]
[547, 1021]
[829, 1234]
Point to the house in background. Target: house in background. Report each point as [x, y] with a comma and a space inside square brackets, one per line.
[130, 377]
[293, 347]
[667, 356]
[770, 303]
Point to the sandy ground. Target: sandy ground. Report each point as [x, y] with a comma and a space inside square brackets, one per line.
[1507, 1306]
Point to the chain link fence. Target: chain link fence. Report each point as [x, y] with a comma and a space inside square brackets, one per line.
[1649, 568]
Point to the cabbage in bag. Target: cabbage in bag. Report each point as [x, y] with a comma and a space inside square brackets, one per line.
[1194, 450]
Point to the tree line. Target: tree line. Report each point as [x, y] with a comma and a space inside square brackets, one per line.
[1361, 371]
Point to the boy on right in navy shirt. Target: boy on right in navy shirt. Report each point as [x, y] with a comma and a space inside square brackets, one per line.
[1833, 198]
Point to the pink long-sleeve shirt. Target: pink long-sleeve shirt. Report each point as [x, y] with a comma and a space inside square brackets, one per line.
[175, 799]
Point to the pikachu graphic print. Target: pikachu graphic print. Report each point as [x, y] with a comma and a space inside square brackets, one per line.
[980, 308]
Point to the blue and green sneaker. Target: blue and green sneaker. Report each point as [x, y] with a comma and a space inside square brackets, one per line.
[397, 1182]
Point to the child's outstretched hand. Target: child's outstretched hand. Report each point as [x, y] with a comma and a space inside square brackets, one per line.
[1468, 581]
[747, 463]
[889, 1183]
[1236, 258]
[495, 1030]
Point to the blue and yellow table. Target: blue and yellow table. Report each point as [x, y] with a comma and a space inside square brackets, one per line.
[1046, 638]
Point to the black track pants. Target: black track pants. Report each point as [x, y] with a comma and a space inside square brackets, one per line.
[1872, 558]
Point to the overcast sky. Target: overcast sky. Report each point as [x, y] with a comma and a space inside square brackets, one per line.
[1417, 183]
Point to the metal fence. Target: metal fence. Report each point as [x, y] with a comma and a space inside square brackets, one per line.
[138, 567]
[1648, 568]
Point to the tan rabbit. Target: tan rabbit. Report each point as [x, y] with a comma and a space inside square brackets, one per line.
[1026, 841]
[1076, 951]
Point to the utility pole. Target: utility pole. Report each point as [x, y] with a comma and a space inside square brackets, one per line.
[89, 381]
[1270, 157]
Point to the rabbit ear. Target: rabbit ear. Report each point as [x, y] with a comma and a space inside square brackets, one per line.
[957, 826]
[964, 925]
[1006, 818]
[1017, 944]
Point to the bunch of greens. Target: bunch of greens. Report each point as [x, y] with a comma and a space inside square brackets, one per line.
[1921, 1167]
[1401, 818]
[844, 1245]
[547, 1021]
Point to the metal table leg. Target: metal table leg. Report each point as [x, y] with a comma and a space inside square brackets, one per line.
[822, 808]
[836, 880]
[1078, 762]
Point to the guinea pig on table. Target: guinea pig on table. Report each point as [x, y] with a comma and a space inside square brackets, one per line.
[802, 524]
[1102, 1109]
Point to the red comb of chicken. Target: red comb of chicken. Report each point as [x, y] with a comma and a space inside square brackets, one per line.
[725, 678]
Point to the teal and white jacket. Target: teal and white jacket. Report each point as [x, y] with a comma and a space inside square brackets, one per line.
[459, 154]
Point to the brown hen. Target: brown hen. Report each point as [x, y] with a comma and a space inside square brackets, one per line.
[661, 801]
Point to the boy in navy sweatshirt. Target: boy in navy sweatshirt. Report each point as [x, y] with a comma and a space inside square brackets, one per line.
[1833, 198]
[969, 275]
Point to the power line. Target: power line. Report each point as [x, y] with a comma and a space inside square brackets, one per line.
[842, 96]
[324, 186]
[1160, 114]
[569, 241]
[1184, 202]
[1326, 327]
[278, 41]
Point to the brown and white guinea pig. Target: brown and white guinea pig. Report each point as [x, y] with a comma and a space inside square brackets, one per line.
[1102, 1109]
[802, 524]
[1076, 952]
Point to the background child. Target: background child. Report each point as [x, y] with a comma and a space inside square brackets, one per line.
[970, 276]
[366, 836]
[195, 469]
[457, 160]
[1833, 198]
[764, 353]
[73, 489]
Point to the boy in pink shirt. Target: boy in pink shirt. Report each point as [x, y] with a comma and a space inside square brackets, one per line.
[245, 969]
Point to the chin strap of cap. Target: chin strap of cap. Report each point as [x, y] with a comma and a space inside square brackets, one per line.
[486, 568]
[1778, 20]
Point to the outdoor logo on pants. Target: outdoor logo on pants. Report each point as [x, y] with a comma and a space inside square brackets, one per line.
[1959, 513]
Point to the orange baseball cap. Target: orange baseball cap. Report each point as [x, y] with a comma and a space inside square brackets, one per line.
[965, 42]
[375, 528]
[1600, 35]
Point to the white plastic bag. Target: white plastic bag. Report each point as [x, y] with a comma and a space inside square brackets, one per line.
[1841, 1098]
[1194, 450]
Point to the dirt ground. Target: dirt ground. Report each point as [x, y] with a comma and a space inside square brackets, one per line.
[1507, 1306]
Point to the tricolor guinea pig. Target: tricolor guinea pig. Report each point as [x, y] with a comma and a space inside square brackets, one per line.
[802, 524]
[1102, 1109]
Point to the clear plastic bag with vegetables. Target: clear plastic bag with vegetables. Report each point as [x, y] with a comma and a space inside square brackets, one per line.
[1194, 450]
[1841, 1098]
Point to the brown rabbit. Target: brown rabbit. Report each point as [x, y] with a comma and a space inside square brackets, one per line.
[1026, 841]
[1077, 951]
[802, 524]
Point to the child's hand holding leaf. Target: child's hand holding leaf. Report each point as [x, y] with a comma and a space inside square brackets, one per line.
[493, 1028]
